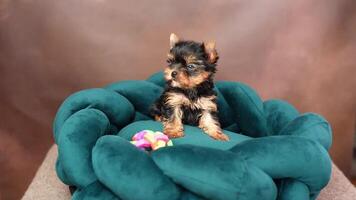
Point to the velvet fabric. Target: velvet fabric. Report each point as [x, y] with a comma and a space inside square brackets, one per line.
[274, 152]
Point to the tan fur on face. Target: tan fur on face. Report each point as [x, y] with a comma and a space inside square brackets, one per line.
[196, 80]
[180, 81]
[190, 59]
[184, 81]
[167, 73]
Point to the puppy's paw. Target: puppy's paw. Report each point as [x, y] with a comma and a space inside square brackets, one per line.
[174, 133]
[220, 136]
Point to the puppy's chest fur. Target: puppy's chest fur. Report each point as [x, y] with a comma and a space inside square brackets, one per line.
[191, 105]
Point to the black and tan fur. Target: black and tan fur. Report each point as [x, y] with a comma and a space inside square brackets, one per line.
[189, 97]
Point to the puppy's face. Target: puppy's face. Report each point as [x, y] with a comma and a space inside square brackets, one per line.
[189, 63]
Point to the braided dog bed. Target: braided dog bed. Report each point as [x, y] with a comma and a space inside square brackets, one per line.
[274, 152]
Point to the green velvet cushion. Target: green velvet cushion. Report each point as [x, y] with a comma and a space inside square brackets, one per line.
[273, 152]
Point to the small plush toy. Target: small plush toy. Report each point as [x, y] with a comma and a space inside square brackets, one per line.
[148, 139]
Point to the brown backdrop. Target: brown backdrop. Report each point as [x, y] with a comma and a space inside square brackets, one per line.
[301, 51]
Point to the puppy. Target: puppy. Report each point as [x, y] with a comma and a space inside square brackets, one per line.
[189, 97]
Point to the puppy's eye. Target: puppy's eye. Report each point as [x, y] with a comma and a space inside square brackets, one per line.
[190, 66]
[169, 61]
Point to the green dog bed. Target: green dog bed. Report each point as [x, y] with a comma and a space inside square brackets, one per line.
[274, 152]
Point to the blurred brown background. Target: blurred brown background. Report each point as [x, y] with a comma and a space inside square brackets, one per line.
[301, 51]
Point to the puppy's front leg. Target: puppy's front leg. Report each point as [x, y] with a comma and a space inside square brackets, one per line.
[173, 126]
[211, 126]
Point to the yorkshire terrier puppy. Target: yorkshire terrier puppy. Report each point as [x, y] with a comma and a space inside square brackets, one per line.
[189, 97]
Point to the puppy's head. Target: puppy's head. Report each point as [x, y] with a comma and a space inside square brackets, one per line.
[190, 63]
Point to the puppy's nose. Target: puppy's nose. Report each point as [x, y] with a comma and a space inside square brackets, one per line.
[174, 74]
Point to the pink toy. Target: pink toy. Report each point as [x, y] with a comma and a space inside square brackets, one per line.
[148, 139]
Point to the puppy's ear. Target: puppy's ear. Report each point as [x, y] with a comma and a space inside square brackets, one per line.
[212, 54]
[173, 40]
